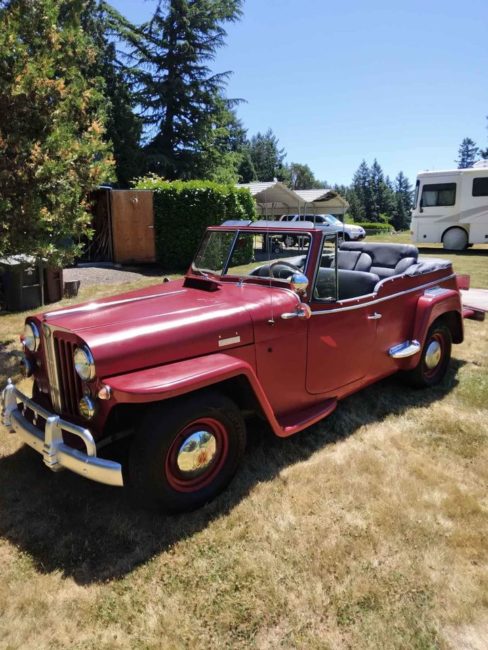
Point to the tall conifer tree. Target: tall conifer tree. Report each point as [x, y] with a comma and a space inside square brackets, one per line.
[468, 154]
[182, 100]
[403, 202]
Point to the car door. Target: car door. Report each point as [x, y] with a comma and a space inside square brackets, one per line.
[341, 334]
[340, 347]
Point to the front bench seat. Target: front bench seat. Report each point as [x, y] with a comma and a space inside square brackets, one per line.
[351, 283]
[387, 259]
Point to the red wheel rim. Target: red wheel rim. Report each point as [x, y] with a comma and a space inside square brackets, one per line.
[438, 339]
[205, 454]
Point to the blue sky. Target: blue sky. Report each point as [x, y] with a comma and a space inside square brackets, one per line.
[339, 81]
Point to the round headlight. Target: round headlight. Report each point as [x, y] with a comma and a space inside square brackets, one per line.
[31, 337]
[86, 407]
[84, 363]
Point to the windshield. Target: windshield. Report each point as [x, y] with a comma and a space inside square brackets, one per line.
[333, 220]
[248, 254]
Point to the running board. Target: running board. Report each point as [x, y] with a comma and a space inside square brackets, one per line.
[405, 349]
[290, 424]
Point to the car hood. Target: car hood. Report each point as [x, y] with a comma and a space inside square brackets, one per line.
[160, 324]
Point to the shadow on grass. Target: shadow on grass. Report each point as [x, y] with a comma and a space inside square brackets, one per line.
[94, 533]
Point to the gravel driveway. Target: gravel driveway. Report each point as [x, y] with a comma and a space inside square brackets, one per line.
[90, 275]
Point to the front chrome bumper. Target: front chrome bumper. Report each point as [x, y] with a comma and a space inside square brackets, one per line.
[55, 452]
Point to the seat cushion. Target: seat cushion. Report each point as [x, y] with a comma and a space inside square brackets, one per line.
[353, 260]
[387, 259]
[356, 283]
[351, 284]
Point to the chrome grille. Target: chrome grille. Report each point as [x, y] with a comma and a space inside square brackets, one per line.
[70, 387]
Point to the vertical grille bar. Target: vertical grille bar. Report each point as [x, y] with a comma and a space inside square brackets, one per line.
[70, 383]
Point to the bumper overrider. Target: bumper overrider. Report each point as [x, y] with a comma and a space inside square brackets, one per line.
[55, 452]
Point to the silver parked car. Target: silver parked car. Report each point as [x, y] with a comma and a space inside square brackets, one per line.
[330, 224]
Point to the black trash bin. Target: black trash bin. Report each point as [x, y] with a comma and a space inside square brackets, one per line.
[22, 282]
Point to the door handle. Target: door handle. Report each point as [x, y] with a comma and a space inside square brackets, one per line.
[303, 311]
[374, 316]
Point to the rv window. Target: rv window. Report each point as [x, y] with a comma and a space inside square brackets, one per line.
[417, 185]
[440, 194]
[480, 186]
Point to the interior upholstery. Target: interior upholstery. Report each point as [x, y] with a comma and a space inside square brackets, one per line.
[428, 265]
[387, 259]
[351, 283]
[354, 260]
[282, 271]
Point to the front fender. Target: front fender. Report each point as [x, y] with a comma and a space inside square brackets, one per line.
[175, 379]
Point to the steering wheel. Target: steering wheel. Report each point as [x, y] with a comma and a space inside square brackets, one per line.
[292, 267]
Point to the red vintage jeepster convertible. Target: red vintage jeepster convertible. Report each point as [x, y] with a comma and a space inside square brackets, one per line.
[254, 326]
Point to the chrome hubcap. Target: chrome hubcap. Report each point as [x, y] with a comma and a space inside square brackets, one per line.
[196, 453]
[433, 355]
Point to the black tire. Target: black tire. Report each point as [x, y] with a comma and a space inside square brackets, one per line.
[455, 239]
[167, 438]
[437, 346]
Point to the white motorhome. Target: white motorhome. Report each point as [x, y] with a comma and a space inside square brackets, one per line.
[452, 207]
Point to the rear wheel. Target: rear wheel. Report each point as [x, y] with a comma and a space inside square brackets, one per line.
[187, 451]
[434, 359]
[455, 239]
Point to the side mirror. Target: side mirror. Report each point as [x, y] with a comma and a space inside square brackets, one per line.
[299, 283]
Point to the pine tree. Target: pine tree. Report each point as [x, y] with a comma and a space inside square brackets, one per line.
[468, 154]
[382, 199]
[123, 126]
[267, 157]
[246, 172]
[180, 97]
[403, 202]
[361, 207]
[52, 149]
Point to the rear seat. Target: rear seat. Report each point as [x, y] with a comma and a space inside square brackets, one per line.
[362, 265]
[386, 259]
[353, 260]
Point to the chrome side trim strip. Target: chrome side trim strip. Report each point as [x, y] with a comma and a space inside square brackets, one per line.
[380, 300]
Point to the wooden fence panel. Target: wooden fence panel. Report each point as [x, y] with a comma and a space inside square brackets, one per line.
[133, 226]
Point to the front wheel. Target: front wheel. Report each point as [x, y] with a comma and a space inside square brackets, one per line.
[186, 451]
[434, 359]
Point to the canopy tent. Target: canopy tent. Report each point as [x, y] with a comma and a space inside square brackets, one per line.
[274, 199]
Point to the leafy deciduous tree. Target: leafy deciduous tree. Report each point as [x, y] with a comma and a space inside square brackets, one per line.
[302, 177]
[52, 149]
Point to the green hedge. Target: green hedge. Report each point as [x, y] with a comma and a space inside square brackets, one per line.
[375, 228]
[184, 209]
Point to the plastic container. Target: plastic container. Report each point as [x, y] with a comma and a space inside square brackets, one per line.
[22, 280]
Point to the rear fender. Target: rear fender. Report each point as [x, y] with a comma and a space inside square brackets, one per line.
[439, 303]
[176, 379]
